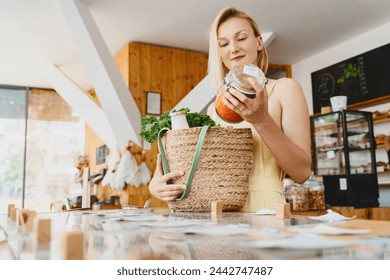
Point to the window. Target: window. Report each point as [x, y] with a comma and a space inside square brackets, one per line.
[12, 142]
[55, 139]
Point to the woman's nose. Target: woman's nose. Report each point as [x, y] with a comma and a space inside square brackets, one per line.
[234, 48]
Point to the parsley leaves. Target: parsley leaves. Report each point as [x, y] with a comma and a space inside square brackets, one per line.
[150, 126]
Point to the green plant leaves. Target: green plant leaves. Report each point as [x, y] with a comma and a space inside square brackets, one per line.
[150, 126]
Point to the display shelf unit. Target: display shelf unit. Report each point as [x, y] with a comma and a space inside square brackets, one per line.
[343, 151]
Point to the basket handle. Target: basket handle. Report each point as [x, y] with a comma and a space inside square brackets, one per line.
[195, 160]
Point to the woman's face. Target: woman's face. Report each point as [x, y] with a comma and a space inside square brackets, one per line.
[237, 42]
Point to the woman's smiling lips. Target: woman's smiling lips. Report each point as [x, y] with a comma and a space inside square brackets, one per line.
[237, 58]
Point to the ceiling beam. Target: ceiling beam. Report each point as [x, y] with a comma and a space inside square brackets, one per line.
[82, 104]
[268, 37]
[114, 96]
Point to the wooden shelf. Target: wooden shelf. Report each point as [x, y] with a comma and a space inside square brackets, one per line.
[380, 146]
[381, 120]
[384, 184]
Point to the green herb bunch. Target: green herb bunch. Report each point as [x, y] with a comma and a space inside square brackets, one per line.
[351, 71]
[150, 126]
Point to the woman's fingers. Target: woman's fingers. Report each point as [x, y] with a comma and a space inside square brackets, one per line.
[255, 85]
[159, 185]
[171, 175]
[261, 90]
[235, 97]
[161, 188]
[171, 192]
[234, 100]
[159, 169]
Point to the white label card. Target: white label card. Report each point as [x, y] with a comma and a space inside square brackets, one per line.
[251, 71]
[343, 184]
[360, 170]
[330, 154]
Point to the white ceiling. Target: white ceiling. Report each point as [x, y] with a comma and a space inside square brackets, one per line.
[34, 32]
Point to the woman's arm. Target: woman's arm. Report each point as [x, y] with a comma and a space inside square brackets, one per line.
[290, 143]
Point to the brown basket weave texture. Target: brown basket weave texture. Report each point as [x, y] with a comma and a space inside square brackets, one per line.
[223, 171]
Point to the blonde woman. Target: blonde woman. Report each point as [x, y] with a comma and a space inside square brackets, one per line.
[278, 115]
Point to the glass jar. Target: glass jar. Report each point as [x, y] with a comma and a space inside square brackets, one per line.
[179, 120]
[316, 192]
[238, 78]
[297, 196]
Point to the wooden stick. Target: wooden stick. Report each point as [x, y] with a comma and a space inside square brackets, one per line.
[216, 210]
[10, 206]
[21, 218]
[86, 199]
[13, 213]
[72, 245]
[283, 210]
[29, 223]
[42, 231]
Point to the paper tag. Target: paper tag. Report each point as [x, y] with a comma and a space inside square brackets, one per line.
[251, 70]
[343, 184]
[330, 154]
[380, 169]
[359, 170]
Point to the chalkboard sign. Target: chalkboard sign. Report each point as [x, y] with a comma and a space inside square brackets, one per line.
[373, 81]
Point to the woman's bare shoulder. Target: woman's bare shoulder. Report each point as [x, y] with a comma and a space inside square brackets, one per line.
[286, 82]
[286, 88]
[289, 93]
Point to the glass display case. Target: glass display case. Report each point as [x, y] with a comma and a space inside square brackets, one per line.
[343, 152]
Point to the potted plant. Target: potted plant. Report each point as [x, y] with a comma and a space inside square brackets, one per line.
[349, 76]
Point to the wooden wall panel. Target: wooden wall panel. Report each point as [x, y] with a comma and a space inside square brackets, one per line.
[181, 76]
[122, 62]
[144, 67]
[168, 79]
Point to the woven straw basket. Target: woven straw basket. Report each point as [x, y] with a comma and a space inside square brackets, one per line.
[223, 170]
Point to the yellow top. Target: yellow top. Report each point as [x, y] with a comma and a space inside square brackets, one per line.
[266, 181]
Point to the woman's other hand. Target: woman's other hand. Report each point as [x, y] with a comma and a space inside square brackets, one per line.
[253, 110]
[159, 186]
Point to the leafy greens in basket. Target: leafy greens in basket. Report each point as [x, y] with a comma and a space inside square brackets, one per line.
[150, 126]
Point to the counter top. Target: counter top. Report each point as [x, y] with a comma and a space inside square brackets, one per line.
[370, 213]
[156, 234]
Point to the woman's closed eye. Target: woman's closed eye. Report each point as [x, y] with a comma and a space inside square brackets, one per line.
[223, 44]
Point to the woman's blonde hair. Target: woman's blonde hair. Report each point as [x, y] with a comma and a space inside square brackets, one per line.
[216, 68]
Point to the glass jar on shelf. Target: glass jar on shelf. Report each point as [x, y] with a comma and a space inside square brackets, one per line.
[297, 196]
[316, 193]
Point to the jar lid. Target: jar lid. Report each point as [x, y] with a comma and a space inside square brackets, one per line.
[239, 75]
[313, 182]
[181, 112]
